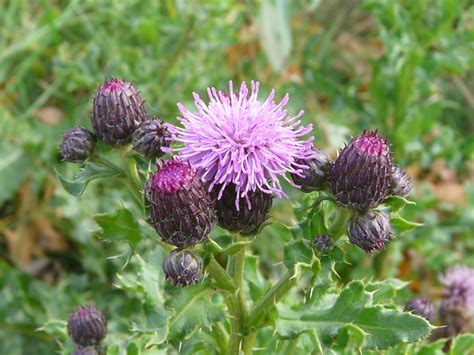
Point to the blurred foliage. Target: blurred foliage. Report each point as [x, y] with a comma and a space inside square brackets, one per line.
[403, 66]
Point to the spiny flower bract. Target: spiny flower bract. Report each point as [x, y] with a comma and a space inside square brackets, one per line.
[240, 140]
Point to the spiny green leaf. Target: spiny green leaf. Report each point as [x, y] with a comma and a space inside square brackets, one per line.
[462, 344]
[119, 226]
[296, 251]
[192, 307]
[398, 202]
[235, 247]
[383, 327]
[401, 224]
[91, 171]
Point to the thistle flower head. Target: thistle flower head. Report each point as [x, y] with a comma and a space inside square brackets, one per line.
[401, 182]
[238, 139]
[150, 137]
[314, 178]
[323, 243]
[360, 178]
[422, 307]
[250, 215]
[370, 231]
[87, 326]
[182, 268]
[77, 145]
[117, 111]
[181, 209]
[458, 285]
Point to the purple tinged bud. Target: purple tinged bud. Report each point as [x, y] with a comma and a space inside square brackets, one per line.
[422, 307]
[360, 178]
[90, 350]
[314, 178]
[150, 137]
[181, 209]
[182, 268]
[77, 145]
[401, 182]
[370, 231]
[323, 243]
[87, 326]
[117, 111]
[253, 210]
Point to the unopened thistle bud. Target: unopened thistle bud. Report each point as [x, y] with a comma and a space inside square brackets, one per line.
[87, 326]
[182, 268]
[421, 307]
[150, 137]
[401, 183]
[370, 231]
[252, 212]
[314, 178]
[90, 350]
[118, 110]
[77, 145]
[323, 243]
[181, 209]
[360, 178]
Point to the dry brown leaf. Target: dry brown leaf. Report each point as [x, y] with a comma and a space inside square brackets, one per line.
[49, 115]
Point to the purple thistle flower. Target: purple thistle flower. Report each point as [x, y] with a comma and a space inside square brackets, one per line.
[458, 285]
[422, 307]
[240, 140]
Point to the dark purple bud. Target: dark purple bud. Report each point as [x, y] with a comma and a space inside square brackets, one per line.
[370, 231]
[77, 145]
[323, 243]
[150, 137]
[87, 326]
[181, 209]
[314, 178]
[87, 351]
[253, 210]
[360, 178]
[401, 182]
[118, 110]
[182, 268]
[421, 307]
[455, 317]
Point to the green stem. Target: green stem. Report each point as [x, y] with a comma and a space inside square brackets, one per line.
[291, 347]
[221, 336]
[235, 335]
[273, 296]
[338, 226]
[235, 268]
[132, 177]
[249, 340]
[217, 272]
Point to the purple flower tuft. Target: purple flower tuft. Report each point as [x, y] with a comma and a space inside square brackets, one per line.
[240, 140]
[422, 307]
[458, 285]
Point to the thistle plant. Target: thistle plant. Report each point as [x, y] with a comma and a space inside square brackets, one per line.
[203, 192]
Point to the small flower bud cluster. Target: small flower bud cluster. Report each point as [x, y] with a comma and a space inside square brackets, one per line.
[87, 327]
[183, 214]
[118, 117]
[360, 179]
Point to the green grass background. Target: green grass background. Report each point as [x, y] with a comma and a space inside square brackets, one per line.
[404, 67]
